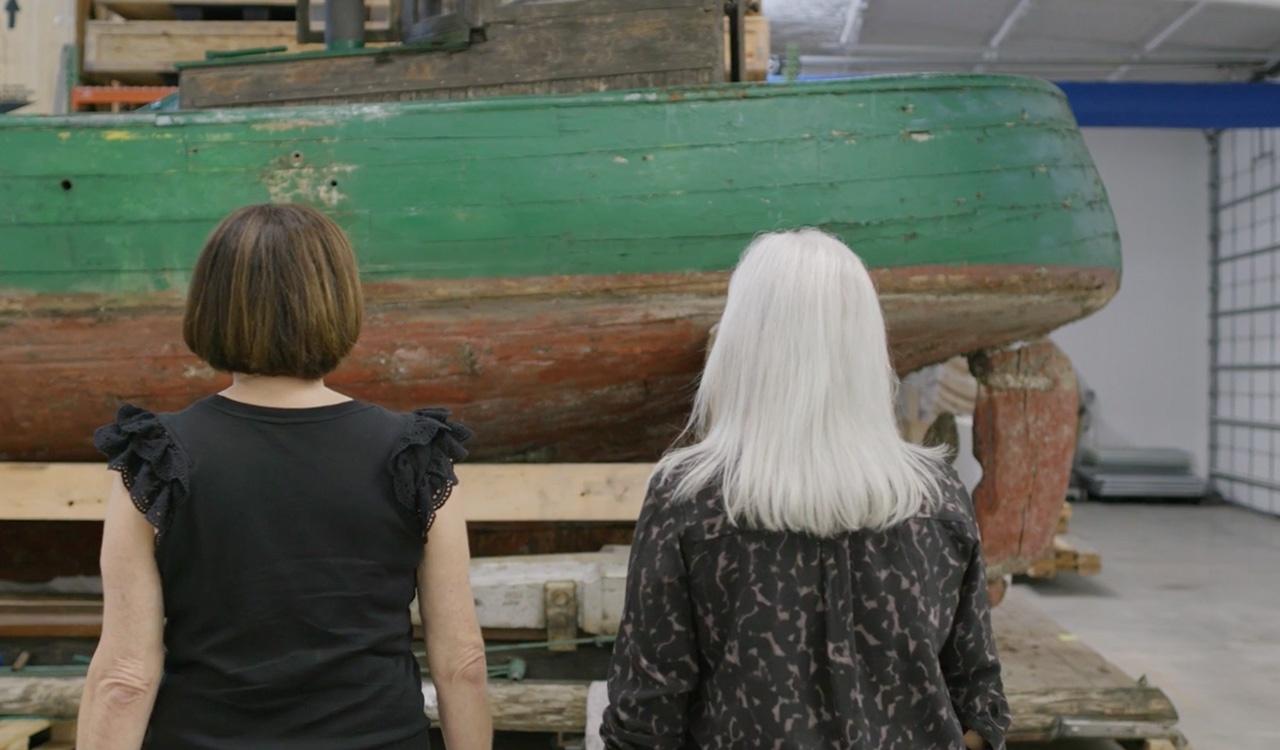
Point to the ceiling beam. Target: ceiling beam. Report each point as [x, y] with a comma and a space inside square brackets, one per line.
[1011, 19]
[1269, 69]
[853, 19]
[1006, 26]
[836, 65]
[1160, 37]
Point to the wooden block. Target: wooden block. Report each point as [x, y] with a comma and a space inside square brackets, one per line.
[511, 592]
[61, 492]
[17, 734]
[996, 590]
[1064, 519]
[1043, 568]
[560, 600]
[1070, 553]
[756, 42]
[154, 46]
[32, 491]
[1064, 555]
[63, 731]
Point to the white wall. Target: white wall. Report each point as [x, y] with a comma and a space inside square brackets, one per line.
[31, 52]
[1146, 354]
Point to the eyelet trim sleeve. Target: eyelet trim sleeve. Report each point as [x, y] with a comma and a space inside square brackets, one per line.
[422, 463]
[151, 463]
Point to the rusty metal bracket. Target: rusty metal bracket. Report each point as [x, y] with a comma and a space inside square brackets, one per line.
[560, 601]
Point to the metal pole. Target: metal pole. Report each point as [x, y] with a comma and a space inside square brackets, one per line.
[735, 10]
[1215, 232]
[343, 24]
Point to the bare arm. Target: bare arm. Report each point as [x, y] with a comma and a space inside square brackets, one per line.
[455, 647]
[124, 675]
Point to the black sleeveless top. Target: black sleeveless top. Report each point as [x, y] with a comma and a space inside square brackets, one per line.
[287, 543]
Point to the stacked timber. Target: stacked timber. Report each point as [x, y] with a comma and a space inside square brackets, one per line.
[143, 39]
[1069, 553]
[755, 28]
[489, 49]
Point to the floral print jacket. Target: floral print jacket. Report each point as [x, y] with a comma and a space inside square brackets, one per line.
[740, 638]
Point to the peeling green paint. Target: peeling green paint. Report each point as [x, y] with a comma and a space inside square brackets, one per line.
[908, 170]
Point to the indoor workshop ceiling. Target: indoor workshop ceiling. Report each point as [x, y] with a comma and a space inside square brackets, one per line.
[1130, 40]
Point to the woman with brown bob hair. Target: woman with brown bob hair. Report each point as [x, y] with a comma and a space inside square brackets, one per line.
[263, 545]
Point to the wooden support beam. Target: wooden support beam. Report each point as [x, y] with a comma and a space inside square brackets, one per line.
[546, 706]
[491, 492]
[1057, 687]
[530, 706]
[1024, 436]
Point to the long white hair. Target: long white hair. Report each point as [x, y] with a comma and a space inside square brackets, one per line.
[794, 421]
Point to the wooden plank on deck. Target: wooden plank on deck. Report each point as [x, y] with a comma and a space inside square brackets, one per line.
[32, 491]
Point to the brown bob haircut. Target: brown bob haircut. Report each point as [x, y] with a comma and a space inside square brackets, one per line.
[274, 292]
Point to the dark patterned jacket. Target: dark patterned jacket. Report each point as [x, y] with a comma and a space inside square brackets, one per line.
[739, 638]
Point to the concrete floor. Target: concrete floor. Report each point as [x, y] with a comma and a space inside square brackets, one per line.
[1190, 597]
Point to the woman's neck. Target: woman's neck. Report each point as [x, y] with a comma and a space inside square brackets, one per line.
[285, 392]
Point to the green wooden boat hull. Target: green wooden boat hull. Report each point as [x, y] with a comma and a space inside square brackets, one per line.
[543, 264]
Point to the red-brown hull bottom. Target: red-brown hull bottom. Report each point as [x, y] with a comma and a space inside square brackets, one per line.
[543, 369]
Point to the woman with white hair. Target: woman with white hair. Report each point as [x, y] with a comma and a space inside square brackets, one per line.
[801, 576]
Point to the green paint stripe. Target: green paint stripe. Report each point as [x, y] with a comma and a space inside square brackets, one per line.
[909, 170]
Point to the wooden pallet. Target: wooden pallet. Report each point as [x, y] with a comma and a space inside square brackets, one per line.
[1068, 555]
[1057, 688]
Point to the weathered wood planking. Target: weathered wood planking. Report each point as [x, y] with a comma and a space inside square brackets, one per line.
[531, 706]
[154, 46]
[509, 590]
[1057, 687]
[489, 492]
[550, 48]
[22, 733]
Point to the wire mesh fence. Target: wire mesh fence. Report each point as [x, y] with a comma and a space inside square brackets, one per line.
[1244, 344]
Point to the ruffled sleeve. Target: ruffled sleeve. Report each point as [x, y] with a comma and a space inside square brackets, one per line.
[422, 463]
[152, 465]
